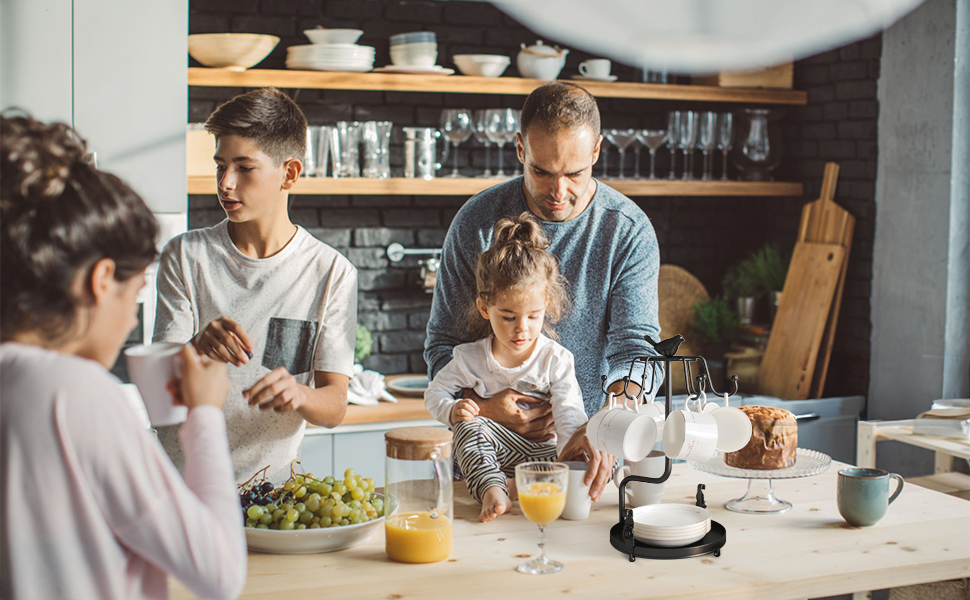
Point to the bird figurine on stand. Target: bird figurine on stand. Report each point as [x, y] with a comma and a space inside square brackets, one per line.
[667, 347]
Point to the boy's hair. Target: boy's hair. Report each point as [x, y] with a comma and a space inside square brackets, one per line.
[518, 259]
[559, 105]
[59, 216]
[266, 116]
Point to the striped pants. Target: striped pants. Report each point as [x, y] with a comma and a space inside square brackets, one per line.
[487, 453]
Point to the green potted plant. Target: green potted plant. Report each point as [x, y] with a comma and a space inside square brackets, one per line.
[769, 269]
[714, 325]
[741, 286]
[363, 345]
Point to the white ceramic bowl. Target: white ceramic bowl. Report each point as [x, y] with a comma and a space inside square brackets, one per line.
[669, 516]
[333, 36]
[422, 54]
[310, 541]
[481, 65]
[233, 51]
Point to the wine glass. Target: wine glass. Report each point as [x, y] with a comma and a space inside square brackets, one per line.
[604, 154]
[542, 496]
[622, 138]
[725, 140]
[707, 140]
[687, 139]
[674, 120]
[456, 125]
[478, 130]
[653, 139]
[498, 123]
[637, 147]
[514, 123]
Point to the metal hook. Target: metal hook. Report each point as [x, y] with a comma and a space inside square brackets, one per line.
[688, 376]
[603, 386]
[626, 390]
[734, 380]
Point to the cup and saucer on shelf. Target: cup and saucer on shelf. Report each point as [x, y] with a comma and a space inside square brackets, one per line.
[415, 53]
[595, 69]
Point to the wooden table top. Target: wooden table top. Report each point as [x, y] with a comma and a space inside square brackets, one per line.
[806, 552]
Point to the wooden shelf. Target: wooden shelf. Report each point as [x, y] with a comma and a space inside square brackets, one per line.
[399, 186]
[460, 84]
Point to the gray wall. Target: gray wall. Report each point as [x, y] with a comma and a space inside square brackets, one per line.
[919, 295]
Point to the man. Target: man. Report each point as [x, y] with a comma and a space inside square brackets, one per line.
[607, 250]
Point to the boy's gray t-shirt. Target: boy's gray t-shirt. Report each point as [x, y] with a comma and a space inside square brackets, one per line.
[610, 257]
[299, 308]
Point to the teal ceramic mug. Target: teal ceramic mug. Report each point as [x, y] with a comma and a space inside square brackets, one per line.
[863, 495]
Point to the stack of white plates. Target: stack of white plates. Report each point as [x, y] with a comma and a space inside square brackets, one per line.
[670, 525]
[330, 57]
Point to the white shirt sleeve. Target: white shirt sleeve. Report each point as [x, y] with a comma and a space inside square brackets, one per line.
[439, 398]
[568, 411]
[175, 313]
[337, 337]
[191, 529]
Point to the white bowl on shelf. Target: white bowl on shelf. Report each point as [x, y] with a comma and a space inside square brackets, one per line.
[311, 541]
[481, 65]
[233, 51]
[420, 54]
[322, 35]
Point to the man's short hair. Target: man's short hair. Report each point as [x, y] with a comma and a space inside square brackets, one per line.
[560, 105]
[266, 116]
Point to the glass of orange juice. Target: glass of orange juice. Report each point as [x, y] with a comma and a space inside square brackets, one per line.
[542, 496]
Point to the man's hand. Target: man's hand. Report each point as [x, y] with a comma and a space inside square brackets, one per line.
[600, 469]
[533, 424]
[224, 340]
[278, 391]
[464, 410]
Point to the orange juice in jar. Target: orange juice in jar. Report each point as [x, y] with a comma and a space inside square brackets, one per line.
[418, 537]
[418, 491]
[542, 503]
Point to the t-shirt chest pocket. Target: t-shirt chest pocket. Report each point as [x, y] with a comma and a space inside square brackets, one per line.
[538, 387]
[289, 344]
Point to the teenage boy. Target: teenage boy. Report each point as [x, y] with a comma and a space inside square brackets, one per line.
[260, 293]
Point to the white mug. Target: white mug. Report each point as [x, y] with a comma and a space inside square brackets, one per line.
[595, 68]
[733, 426]
[151, 368]
[690, 435]
[623, 432]
[577, 492]
[637, 492]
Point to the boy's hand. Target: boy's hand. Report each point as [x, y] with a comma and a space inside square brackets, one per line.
[278, 390]
[226, 341]
[464, 410]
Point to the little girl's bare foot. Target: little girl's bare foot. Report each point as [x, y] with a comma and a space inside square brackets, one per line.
[495, 502]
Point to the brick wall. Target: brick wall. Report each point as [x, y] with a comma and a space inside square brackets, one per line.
[703, 235]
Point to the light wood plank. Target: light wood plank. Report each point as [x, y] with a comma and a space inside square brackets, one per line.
[922, 538]
[468, 187]
[460, 84]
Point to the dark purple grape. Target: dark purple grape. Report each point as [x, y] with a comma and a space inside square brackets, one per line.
[251, 496]
[260, 500]
[243, 501]
[266, 487]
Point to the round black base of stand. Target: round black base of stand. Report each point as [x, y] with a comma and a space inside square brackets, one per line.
[712, 542]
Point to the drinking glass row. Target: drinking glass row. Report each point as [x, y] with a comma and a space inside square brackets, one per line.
[492, 126]
[354, 149]
[686, 132]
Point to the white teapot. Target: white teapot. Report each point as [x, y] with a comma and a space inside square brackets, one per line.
[539, 61]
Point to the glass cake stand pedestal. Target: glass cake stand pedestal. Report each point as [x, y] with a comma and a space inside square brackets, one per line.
[760, 499]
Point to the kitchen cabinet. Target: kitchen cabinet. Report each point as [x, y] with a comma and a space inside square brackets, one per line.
[204, 77]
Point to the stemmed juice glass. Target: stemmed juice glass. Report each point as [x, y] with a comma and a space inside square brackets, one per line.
[688, 137]
[499, 122]
[707, 141]
[456, 125]
[542, 496]
[478, 130]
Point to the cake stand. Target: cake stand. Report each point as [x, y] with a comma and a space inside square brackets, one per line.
[760, 499]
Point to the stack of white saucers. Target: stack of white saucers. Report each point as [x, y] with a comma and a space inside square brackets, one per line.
[330, 57]
[670, 525]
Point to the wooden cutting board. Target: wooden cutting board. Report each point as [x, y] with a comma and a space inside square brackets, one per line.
[793, 348]
[826, 222]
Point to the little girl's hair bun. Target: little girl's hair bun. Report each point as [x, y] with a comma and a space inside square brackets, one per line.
[522, 230]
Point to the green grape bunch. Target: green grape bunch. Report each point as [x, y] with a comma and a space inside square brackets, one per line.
[307, 502]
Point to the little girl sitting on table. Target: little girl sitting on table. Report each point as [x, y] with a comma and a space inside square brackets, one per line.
[520, 294]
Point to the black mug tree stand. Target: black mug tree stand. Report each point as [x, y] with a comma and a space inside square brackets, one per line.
[621, 534]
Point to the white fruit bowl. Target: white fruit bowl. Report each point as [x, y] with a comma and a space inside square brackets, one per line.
[333, 36]
[233, 51]
[310, 541]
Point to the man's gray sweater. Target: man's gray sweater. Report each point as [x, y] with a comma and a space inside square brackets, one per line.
[608, 254]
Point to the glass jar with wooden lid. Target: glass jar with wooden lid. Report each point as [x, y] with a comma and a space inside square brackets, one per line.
[418, 489]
